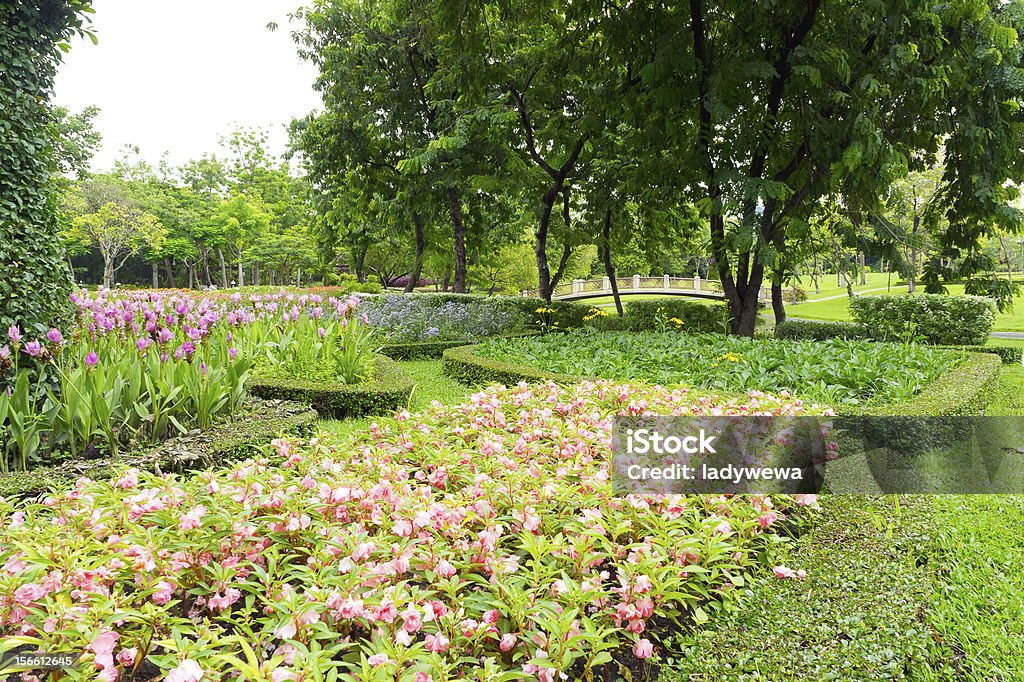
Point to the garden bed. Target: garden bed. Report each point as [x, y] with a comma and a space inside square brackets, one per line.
[839, 373]
[254, 425]
[388, 390]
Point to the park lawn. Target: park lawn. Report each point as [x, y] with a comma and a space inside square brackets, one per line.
[828, 286]
[430, 384]
[837, 310]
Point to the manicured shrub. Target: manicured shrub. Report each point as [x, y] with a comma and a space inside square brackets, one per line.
[463, 365]
[476, 542]
[1009, 355]
[425, 350]
[661, 313]
[556, 314]
[934, 318]
[810, 330]
[387, 391]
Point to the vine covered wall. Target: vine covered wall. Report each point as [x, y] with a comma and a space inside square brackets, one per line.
[34, 278]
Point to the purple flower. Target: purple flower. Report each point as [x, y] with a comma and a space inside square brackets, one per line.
[91, 359]
[5, 353]
[14, 334]
[143, 343]
[55, 336]
[34, 348]
[202, 368]
[164, 336]
[232, 353]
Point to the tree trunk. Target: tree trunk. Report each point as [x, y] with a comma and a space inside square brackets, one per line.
[169, 272]
[606, 254]
[778, 305]
[156, 274]
[191, 276]
[566, 244]
[108, 272]
[359, 258]
[814, 276]
[223, 270]
[417, 264]
[455, 210]
[540, 248]
[206, 266]
[863, 269]
[241, 270]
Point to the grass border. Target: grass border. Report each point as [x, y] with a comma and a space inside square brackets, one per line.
[257, 423]
[388, 391]
[430, 350]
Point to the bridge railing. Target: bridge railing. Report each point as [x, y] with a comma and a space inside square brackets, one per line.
[580, 288]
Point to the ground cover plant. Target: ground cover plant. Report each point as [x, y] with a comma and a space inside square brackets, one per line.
[831, 372]
[140, 366]
[476, 542]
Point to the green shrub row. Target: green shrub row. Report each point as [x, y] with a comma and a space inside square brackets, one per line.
[811, 330]
[462, 365]
[696, 318]
[389, 390]
[428, 350]
[962, 391]
[938, 319]
[801, 330]
[255, 424]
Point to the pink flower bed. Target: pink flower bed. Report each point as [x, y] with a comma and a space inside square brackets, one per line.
[463, 543]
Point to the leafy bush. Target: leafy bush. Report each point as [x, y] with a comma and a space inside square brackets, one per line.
[387, 391]
[561, 315]
[934, 318]
[810, 330]
[446, 544]
[832, 372]
[350, 284]
[693, 317]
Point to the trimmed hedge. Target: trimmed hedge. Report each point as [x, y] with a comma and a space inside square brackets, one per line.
[389, 390]
[567, 315]
[816, 330]
[813, 330]
[257, 423]
[940, 320]
[428, 350]
[964, 390]
[463, 366]
[697, 318]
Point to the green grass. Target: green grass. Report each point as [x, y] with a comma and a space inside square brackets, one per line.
[430, 384]
[977, 602]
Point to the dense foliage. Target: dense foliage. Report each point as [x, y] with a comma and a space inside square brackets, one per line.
[934, 318]
[831, 372]
[35, 284]
[465, 543]
[691, 317]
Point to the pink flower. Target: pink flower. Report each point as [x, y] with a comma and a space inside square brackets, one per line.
[54, 336]
[103, 646]
[491, 617]
[508, 641]
[127, 656]
[193, 519]
[378, 659]
[445, 569]
[34, 349]
[783, 572]
[187, 671]
[422, 677]
[91, 359]
[163, 592]
[411, 620]
[14, 334]
[286, 631]
[436, 643]
[26, 595]
[643, 648]
[282, 674]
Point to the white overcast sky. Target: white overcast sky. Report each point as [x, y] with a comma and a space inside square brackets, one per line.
[176, 75]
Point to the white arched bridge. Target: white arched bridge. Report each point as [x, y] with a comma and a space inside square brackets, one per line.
[694, 287]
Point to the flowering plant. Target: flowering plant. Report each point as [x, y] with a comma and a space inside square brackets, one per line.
[476, 542]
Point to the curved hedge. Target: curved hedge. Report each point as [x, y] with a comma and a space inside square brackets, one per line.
[462, 365]
[964, 390]
[257, 423]
[428, 350]
[389, 390]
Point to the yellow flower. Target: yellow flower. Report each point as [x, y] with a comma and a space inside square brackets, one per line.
[731, 357]
[677, 321]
